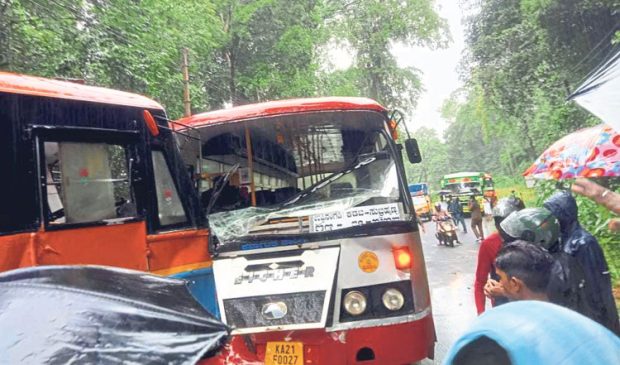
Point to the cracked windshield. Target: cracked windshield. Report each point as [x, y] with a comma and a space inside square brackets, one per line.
[303, 174]
[310, 182]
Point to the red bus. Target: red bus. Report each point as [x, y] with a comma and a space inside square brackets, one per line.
[318, 259]
[93, 176]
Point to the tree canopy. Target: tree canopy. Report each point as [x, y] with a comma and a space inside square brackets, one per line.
[241, 51]
[523, 59]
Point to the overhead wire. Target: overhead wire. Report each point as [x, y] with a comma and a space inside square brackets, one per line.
[590, 55]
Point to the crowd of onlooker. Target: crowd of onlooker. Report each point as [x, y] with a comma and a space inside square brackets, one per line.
[556, 274]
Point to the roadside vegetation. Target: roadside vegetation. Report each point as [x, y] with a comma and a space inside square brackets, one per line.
[522, 59]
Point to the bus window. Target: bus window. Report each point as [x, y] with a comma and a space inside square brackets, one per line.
[87, 182]
[169, 204]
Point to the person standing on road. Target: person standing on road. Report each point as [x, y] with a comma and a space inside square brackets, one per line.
[580, 244]
[456, 210]
[476, 218]
[489, 247]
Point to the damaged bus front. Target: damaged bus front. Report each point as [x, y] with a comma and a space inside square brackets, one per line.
[318, 257]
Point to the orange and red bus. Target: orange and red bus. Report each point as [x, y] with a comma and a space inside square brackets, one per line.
[318, 257]
[93, 176]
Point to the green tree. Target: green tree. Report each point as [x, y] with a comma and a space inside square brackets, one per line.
[267, 51]
[434, 158]
[523, 59]
[370, 28]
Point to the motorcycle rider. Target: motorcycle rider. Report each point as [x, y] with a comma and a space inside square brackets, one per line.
[567, 284]
[489, 247]
[441, 215]
[581, 245]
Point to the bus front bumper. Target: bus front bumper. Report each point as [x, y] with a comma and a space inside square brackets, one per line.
[386, 345]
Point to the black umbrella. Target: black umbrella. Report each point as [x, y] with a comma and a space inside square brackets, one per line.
[101, 315]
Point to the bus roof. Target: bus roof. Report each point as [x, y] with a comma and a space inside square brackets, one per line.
[281, 107]
[462, 174]
[39, 86]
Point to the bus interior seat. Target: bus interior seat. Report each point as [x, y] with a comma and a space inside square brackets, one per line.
[264, 198]
[283, 194]
[340, 189]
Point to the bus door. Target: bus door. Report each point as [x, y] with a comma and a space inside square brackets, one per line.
[177, 246]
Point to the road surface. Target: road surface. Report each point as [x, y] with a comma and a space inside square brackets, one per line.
[451, 279]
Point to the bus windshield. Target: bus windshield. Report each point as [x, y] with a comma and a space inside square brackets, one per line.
[463, 187]
[311, 172]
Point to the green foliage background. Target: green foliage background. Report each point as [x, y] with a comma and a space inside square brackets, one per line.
[241, 51]
[522, 59]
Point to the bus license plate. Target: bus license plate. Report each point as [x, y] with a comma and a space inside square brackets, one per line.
[284, 353]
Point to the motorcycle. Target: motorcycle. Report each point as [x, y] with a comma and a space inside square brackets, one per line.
[446, 232]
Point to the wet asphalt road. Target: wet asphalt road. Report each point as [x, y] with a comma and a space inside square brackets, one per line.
[451, 279]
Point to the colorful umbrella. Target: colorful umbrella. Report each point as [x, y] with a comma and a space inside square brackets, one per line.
[589, 152]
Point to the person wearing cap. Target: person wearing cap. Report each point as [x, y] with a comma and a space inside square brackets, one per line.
[567, 283]
[489, 247]
[585, 248]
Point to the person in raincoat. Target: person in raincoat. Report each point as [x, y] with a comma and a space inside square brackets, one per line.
[534, 332]
[580, 244]
[567, 282]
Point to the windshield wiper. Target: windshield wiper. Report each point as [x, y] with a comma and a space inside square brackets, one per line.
[218, 189]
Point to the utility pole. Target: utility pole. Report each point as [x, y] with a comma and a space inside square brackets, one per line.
[186, 99]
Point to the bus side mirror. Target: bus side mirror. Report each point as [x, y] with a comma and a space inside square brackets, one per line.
[413, 151]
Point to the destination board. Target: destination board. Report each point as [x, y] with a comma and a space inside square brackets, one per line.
[354, 217]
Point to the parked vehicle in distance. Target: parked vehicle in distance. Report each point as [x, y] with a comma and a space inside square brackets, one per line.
[463, 185]
[421, 198]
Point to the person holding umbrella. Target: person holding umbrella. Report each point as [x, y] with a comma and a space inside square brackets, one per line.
[600, 195]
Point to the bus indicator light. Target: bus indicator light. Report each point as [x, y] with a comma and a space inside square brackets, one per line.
[368, 261]
[150, 123]
[402, 257]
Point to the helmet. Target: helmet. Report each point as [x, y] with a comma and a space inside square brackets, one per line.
[505, 206]
[535, 225]
[503, 209]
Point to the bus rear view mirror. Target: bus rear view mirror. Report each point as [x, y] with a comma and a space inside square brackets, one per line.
[413, 151]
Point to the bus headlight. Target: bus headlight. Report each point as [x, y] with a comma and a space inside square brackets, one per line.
[354, 303]
[393, 299]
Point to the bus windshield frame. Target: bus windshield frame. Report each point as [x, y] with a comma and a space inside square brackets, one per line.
[361, 175]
